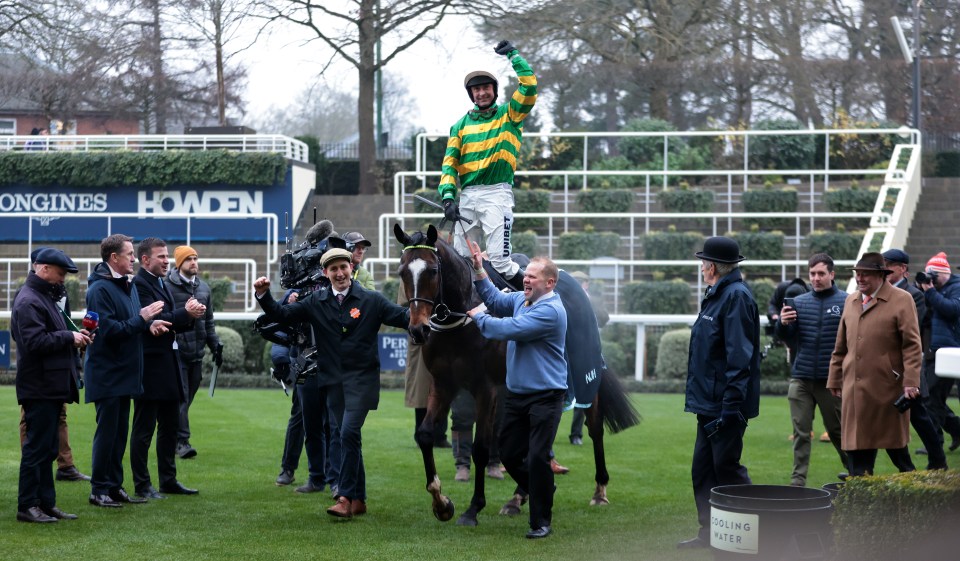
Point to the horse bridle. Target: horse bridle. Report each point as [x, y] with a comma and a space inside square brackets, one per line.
[441, 318]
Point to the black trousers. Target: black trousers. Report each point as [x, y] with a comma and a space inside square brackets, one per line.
[716, 461]
[530, 423]
[862, 462]
[931, 438]
[39, 451]
[109, 444]
[193, 374]
[293, 441]
[316, 430]
[164, 417]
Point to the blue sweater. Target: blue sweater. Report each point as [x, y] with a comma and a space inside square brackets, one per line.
[534, 335]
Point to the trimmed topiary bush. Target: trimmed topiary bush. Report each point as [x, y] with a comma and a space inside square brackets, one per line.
[685, 199]
[672, 245]
[233, 355]
[672, 355]
[853, 199]
[762, 290]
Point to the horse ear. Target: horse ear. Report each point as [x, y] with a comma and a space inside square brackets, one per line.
[432, 235]
[401, 236]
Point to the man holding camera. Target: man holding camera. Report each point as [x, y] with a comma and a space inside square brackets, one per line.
[875, 361]
[185, 283]
[941, 289]
[809, 323]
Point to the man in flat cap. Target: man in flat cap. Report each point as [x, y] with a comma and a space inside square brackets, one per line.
[47, 377]
[723, 377]
[345, 319]
[876, 359]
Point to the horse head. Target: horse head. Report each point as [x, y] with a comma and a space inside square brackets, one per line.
[419, 273]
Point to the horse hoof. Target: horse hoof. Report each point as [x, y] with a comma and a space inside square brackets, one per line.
[444, 513]
[512, 508]
[465, 520]
[599, 501]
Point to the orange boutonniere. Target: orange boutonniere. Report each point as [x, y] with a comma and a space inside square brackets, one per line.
[354, 313]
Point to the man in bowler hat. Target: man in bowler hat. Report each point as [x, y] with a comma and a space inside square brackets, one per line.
[723, 377]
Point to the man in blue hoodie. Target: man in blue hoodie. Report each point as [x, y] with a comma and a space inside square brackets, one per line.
[723, 377]
[114, 364]
[534, 323]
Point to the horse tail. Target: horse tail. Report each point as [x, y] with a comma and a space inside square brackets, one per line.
[614, 406]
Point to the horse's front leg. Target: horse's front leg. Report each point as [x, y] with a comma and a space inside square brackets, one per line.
[595, 428]
[481, 457]
[443, 507]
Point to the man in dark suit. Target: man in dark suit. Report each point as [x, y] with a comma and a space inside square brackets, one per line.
[164, 386]
[114, 364]
[47, 378]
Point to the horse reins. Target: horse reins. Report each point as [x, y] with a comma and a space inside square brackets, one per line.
[440, 320]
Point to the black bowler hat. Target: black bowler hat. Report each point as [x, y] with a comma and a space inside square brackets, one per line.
[871, 263]
[720, 249]
[50, 256]
[896, 256]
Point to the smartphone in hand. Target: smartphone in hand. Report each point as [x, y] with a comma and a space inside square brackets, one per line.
[789, 302]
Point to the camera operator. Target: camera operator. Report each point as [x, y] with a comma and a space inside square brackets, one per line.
[941, 289]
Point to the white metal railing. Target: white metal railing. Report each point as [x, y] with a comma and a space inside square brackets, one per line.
[289, 147]
[911, 136]
[386, 220]
[611, 271]
[13, 269]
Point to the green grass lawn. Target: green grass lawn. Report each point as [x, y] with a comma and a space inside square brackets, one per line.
[241, 514]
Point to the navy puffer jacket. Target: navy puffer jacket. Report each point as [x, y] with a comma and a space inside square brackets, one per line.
[814, 332]
[723, 367]
[945, 305]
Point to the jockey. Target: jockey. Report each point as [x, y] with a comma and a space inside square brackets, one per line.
[482, 154]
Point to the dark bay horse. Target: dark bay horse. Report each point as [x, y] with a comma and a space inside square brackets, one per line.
[438, 283]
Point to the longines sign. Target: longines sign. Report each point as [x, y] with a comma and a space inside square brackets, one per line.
[56, 223]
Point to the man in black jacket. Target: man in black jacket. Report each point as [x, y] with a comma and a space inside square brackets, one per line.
[185, 284]
[810, 326]
[47, 377]
[164, 388]
[345, 320]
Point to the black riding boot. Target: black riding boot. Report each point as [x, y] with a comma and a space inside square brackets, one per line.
[516, 281]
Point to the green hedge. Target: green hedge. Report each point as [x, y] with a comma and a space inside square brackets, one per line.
[604, 200]
[769, 199]
[686, 200]
[853, 199]
[251, 348]
[758, 246]
[160, 169]
[912, 515]
[947, 164]
[525, 243]
[530, 200]
[762, 290]
[672, 355]
[233, 352]
[658, 297]
[840, 245]
[672, 245]
[587, 245]
[389, 288]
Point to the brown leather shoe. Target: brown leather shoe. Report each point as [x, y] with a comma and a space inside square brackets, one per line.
[557, 468]
[71, 474]
[358, 507]
[343, 508]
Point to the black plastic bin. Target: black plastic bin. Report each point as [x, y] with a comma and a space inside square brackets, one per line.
[770, 522]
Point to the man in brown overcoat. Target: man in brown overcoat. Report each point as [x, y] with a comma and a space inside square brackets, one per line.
[876, 359]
